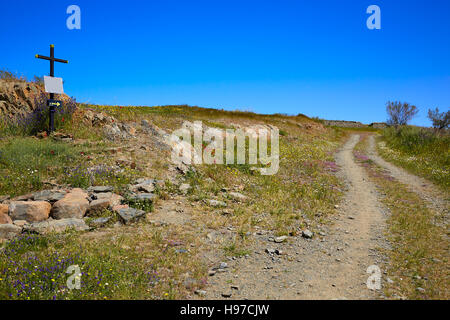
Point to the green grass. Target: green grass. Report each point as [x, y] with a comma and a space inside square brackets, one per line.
[420, 151]
[418, 257]
[114, 267]
[303, 186]
[26, 163]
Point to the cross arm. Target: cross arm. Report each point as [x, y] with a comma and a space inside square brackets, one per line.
[51, 59]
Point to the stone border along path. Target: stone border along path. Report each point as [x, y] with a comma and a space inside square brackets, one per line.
[332, 265]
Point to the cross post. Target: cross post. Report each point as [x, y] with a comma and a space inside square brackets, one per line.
[52, 60]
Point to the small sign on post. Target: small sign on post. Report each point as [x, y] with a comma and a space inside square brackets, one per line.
[52, 85]
[54, 103]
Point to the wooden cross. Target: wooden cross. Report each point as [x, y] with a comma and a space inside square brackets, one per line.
[52, 60]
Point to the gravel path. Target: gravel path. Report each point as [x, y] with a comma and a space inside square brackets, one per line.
[332, 265]
[432, 196]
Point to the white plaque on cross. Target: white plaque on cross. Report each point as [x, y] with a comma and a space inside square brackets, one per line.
[53, 85]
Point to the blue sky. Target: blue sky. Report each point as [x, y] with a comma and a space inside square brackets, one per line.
[311, 57]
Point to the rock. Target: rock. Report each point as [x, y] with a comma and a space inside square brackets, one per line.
[73, 205]
[270, 251]
[235, 287]
[56, 226]
[99, 205]
[201, 293]
[49, 195]
[223, 265]
[24, 197]
[59, 136]
[129, 215]
[216, 203]
[100, 189]
[130, 130]
[145, 181]
[211, 273]
[4, 217]
[184, 188]
[421, 290]
[31, 211]
[145, 124]
[227, 294]
[307, 234]
[4, 209]
[148, 197]
[280, 239]
[112, 198]
[118, 207]
[4, 198]
[99, 222]
[112, 132]
[20, 223]
[115, 200]
[236, 196]
[148, 188]
[102, 195]
[88, 116]
[9, 231]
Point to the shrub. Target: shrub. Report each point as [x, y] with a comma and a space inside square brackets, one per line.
[400, 113]
[9, 76]
[37, 120]
[440, 120]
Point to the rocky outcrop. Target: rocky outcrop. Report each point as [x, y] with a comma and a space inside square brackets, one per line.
[20, 97]
[112, 129]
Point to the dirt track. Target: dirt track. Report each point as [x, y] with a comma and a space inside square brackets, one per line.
[331, 266]
[432, 196]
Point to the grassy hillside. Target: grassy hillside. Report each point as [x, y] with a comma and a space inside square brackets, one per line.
[153, 260]
[420, 151]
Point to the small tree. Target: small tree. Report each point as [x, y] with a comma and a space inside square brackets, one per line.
[440, 120]
[400, 113]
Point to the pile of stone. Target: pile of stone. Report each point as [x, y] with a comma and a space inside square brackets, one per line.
[61, 209]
